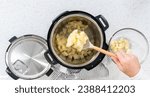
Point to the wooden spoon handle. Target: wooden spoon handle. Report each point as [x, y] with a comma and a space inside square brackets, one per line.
[104, 51]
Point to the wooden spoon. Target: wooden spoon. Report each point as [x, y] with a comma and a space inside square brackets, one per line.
[90, 45]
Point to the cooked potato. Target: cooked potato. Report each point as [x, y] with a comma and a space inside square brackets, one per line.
[77, 39]
[70, 53]
[120, 44]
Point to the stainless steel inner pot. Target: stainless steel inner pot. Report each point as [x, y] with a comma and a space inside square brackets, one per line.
[94, 31]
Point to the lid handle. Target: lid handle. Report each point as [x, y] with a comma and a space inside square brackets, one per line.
[49, 58]
[11, 74]
[12, 39]
[49, 72]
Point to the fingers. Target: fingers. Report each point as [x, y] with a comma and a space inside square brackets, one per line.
[117, 63]
[115, 60]
[127, 63]
[121, 55]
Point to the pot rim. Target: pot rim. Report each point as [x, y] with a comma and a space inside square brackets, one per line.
[92, 19]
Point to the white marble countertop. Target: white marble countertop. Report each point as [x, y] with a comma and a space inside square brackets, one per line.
[20, 17]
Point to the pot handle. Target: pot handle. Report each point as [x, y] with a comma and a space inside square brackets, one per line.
[49, 58]
[11, 74]
[103, 21]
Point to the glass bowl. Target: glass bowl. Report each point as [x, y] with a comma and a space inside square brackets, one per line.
[138, 43]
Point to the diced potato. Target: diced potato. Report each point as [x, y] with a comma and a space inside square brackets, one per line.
[75, 56]
[70, 53]
[120, 44]
[65, 53]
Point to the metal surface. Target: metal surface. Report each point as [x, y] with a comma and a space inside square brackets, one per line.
[94, 32]
[25, 57]
[99, 72]
[63, 73]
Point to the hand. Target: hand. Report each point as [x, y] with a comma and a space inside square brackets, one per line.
[127, 63]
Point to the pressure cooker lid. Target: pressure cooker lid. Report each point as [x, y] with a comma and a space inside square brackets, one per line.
[25, 56]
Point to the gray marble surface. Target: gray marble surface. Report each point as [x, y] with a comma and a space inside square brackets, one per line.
[20, 17]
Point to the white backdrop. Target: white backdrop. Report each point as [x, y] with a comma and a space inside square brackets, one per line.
[20, 17]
